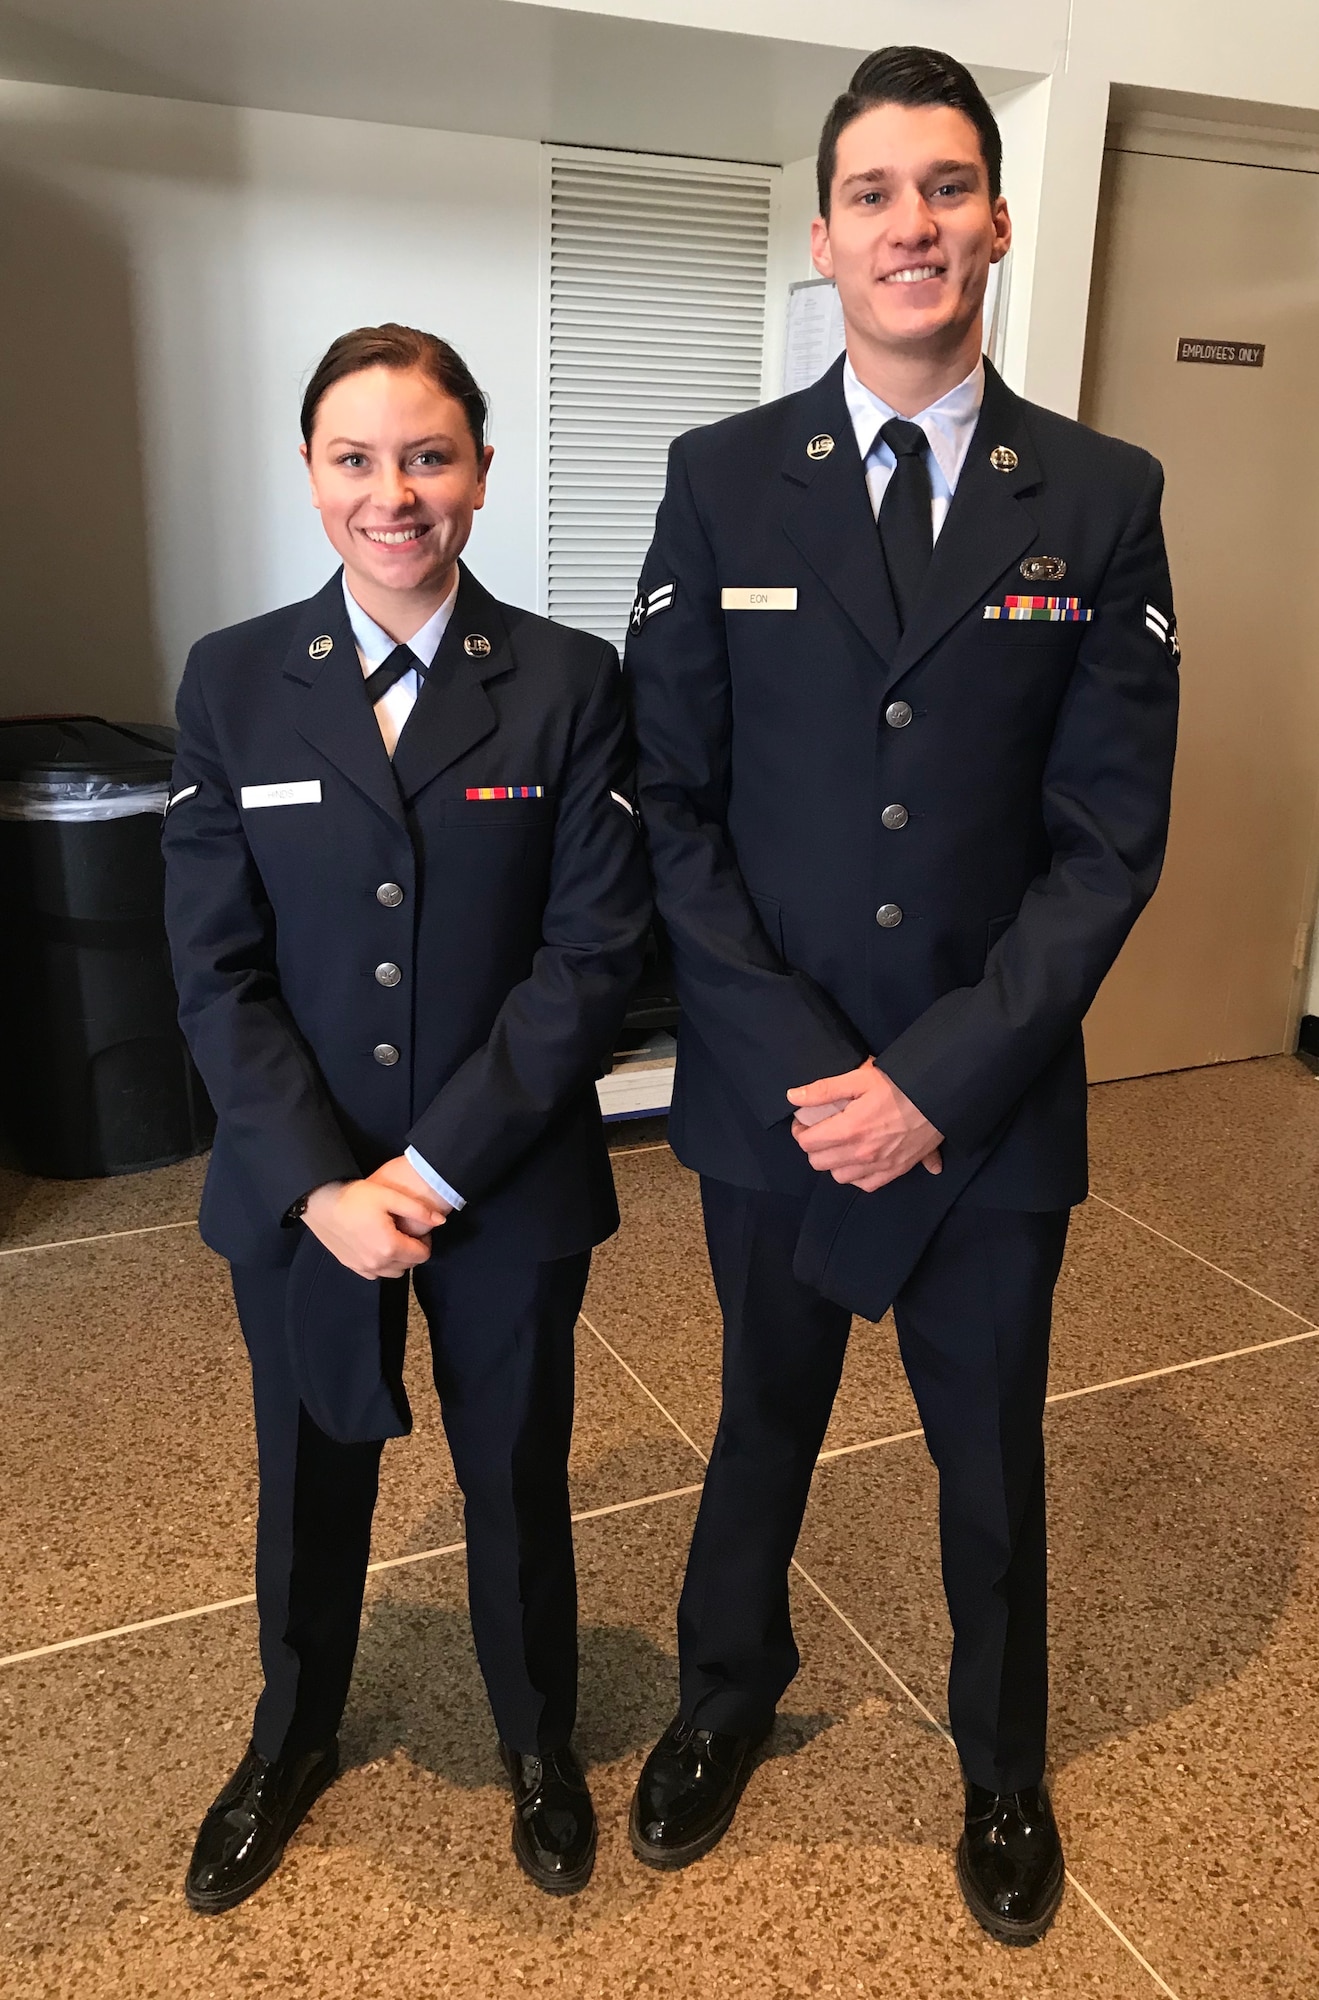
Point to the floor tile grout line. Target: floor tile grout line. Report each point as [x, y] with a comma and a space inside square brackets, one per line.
[125, 1631]
[627, 1370]
[372, 1569]
[106, 1236]
[836, 1451]
[862, 1641]
[1206, 1261]
[621, 1152]
[1094, 1388]
[1121, 1936]
[1181, 1367]
[877, 1656]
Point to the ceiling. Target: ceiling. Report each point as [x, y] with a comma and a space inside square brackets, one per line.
[496, 66]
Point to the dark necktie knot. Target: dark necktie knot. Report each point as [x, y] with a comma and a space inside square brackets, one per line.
[904, 439]
[382, 678]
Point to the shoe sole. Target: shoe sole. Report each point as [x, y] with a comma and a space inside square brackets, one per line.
[556, 1885]
[671, 1858]
[216, 1905]
[1004, 1930]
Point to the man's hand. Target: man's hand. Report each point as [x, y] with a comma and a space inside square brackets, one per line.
[403, 1177]
[375, 1227]
[862, 1130]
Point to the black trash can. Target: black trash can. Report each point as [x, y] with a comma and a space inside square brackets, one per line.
[94, 1075]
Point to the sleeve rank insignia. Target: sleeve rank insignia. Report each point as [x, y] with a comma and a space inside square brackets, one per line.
[648, 607]
[1164, 629]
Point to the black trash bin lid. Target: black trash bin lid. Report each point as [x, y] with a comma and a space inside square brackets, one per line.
[37, 747]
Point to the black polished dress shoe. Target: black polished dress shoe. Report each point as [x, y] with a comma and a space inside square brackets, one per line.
[1010, 1863]
[243, 1836]
[688, 1792]
[553, 1818]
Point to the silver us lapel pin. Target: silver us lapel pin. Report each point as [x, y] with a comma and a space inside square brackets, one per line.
[1003, 458]
[476, 646]
[820, 446]
[320, 647]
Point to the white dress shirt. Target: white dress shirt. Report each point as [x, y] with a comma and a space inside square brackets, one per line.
[374, 646]
[949, 425]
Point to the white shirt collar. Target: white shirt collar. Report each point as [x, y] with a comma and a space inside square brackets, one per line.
[949, 424]
[375, 644]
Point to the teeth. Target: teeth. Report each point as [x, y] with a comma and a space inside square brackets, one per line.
[391, 537]
[912, 277]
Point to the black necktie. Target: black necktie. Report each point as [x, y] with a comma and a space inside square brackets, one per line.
[382, 678]
[906, 532]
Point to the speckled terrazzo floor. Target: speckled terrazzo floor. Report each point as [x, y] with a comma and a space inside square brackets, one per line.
[1185, 1558]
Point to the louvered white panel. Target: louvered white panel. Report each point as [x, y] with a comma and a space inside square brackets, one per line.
[656, 323]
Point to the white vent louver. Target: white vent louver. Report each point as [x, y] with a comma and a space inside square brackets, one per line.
[657, 318]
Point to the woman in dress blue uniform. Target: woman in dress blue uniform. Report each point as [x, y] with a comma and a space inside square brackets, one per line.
[406, 903]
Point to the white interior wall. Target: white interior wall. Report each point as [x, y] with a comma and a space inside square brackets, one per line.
[172, 272]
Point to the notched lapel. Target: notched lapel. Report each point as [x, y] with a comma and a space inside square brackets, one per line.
[330, 707]
[453, 712]
[989, 526]
[828, 517]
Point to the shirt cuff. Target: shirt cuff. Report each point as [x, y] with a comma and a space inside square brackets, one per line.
[429, 1175]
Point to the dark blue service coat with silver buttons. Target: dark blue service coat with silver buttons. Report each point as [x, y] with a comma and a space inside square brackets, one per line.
[371, 955]
[926, 845]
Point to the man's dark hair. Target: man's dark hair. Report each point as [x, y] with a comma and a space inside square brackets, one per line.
[400, 347]
[909, 76]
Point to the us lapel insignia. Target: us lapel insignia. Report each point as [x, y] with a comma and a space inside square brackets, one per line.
[1044, 569]
[820, 446]
[476, 646]
[1003, 458]
[320, 647]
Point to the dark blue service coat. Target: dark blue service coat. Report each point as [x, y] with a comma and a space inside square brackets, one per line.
[1031, 758]
[515, 925]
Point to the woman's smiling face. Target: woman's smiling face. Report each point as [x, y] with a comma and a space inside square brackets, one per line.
[396, 477]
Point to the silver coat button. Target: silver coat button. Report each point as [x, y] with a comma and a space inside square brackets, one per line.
[894, 817]
[387, 974]
[888, 916]
[390, 895]
[898, 714]
[385, 1054]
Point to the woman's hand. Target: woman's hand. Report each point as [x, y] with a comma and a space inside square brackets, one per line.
[374, 1227]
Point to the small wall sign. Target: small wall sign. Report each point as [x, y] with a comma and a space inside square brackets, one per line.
[1227, 353]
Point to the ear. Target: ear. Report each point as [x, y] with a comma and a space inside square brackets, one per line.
[482, 473]
[305, 456]
[822, 255]
[1002, 231]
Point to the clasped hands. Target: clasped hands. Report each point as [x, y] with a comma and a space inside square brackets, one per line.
[379, 1227]
[862, 1130]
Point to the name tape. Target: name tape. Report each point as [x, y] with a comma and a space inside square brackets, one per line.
[297, 792]
[759, 598]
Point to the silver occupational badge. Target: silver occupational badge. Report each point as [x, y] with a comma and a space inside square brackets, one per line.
[1044, 569]
[320, 647]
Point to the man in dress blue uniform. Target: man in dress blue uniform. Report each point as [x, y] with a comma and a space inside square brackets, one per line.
[903, 667]
[406, 901]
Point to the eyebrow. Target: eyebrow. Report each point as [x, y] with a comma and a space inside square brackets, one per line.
[414, 444]
[874, 175]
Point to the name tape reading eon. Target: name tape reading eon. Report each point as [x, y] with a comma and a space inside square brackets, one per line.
[1222, 353]
[759, 598]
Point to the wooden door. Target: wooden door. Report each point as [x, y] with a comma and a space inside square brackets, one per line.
[1223, 252]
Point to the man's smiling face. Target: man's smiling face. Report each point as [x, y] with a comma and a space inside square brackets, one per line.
[912, 228]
